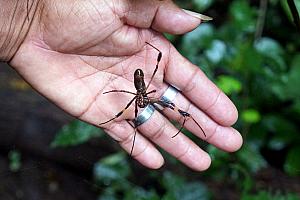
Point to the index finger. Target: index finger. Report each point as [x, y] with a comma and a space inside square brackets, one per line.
[195, 85]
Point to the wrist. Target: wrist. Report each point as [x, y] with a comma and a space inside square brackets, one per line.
[15, 21]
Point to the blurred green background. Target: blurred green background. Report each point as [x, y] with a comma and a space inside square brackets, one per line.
[251, 50]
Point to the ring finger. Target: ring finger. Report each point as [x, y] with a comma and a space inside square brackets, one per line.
[225, 138]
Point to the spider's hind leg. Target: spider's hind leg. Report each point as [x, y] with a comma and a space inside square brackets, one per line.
[185, 115]
[134, 126]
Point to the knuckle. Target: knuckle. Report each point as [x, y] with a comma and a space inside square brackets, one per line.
[118, 131]
[184, 153]
[158, 133]
[135, 155]
[127, 139]
[191, 84]
[215, 100]
[210, 136]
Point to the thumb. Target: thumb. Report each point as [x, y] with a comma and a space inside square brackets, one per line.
[162, 16]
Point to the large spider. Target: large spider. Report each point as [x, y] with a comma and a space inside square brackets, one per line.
[142, 100]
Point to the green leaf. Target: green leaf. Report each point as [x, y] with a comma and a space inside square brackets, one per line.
[216, 154]
[192, 191]
[251, 157]
[251, 116]
[14, 157]
[171, 181]
[229, 84]
[287, 10]
[271, 49]
[202, 5]
[244, 176]
[140, 193]
[114, 167]
[195, 42]
[177, 188]
[77, 132]
[265, 195]
[288, 87]
[197, 39]
[219, 169]
[279, 124]
[170, 37]
[244, 16]
[109, 193]
[216, 51]
[292, 163]
[296, 106]
[246, 59]
[284, 132]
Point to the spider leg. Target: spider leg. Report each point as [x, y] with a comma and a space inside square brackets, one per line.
[124, 91]
[159, 56]
[185, 115]
[135, 127]
[184, 120]
[121, 112]
[152, 91]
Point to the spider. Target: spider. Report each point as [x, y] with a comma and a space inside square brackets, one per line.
[142, 99]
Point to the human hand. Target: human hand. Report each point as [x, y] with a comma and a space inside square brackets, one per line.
[76, 50]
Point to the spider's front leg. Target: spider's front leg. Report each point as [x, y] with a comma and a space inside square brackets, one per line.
[159, 56]
[123, 91]
[122, 111]
[172, 106]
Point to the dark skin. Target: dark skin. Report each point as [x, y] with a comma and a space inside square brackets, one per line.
[75, 51]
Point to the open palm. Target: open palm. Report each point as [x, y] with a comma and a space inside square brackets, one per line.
[76, 50]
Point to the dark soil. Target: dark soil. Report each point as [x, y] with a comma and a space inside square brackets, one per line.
[28, 124]
[42, 179]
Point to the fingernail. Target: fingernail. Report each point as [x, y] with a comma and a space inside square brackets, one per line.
[198, 15]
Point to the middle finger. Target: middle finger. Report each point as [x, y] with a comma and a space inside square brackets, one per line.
[160, 131]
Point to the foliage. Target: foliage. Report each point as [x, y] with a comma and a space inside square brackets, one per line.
[14, 158]
[264, 195]
[228, 84]
[77, 132]
[260, 71]
[292, 163]
[113, 172]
